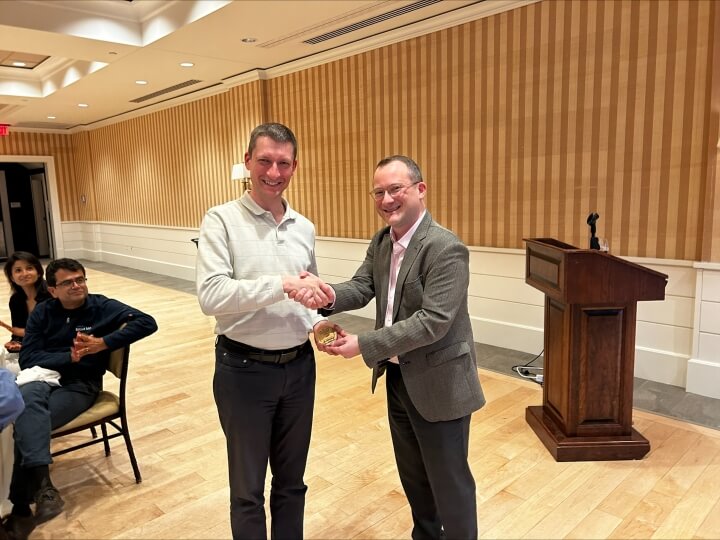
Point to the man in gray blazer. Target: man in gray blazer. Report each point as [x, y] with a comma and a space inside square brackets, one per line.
[418, 273]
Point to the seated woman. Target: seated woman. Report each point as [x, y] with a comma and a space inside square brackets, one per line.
[25, 275]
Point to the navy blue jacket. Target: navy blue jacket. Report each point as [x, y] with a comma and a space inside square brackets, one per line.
[51, 329]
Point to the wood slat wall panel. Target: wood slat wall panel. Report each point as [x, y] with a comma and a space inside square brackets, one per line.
[523, 123]
[170, 166]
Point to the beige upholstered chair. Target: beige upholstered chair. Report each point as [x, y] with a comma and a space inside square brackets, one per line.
[107, 409]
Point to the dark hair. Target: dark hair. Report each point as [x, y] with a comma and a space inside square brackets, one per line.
[277, 132]
[412, 167]
[33, 260]
[71, 265]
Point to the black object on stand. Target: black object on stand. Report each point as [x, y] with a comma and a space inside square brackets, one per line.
[591, 220]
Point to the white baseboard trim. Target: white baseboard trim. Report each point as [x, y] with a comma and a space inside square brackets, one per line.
[661, 366]
[150, 265]
[137, 263]
[703, 377]
[507, 335]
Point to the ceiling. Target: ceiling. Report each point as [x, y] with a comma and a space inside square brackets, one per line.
[98, 49]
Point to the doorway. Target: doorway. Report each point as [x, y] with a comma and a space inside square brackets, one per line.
[26, 212]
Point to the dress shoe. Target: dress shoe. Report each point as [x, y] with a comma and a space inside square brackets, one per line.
[18, 527]
[49, 504]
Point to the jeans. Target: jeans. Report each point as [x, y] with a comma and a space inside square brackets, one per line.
[46, 408]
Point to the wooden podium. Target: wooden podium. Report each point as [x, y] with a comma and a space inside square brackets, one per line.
[590, 310]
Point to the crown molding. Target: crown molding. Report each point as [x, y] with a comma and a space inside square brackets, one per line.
[460, 16]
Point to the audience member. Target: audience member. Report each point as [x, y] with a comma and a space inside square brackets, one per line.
[25, 275]
[11, 402]
[73, 334]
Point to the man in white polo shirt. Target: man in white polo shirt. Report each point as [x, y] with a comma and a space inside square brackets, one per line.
[250, 254]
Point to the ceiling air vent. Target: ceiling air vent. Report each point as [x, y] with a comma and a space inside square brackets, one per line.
[165, 91]
[369, 22]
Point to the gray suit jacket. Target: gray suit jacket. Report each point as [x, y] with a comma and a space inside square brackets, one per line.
[431, 332]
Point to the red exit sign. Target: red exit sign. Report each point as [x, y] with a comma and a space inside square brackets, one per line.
[4, 130]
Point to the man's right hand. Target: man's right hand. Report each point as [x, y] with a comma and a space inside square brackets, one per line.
[309, 290]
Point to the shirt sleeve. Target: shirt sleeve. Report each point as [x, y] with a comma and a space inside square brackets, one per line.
[219, 291]
[137, 324]
[33, 352]
[11, 401]
[18, 311]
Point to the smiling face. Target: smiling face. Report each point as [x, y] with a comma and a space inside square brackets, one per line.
[271, 167]
[70, 288]
[402, 209]
[24, 274]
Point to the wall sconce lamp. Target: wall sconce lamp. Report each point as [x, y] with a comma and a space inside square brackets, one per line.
[239, 172]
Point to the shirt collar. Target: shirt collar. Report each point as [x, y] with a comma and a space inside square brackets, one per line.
[248, 202]
[405, 240]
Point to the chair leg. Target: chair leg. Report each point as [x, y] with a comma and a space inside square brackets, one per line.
[106, 442]
[93, 431]
[131, 452]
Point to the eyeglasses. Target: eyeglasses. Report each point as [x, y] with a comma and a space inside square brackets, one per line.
[70, 282]
[393, 191]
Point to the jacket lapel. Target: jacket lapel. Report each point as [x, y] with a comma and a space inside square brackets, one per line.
[416, 243]
[383, 272]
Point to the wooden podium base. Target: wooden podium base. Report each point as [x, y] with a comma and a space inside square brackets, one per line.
[565, 448]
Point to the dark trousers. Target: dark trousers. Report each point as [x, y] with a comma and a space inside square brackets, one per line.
[266, 413]
[432, 461]
[46, 408]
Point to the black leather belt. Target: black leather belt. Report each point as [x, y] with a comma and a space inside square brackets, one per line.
[280, 356]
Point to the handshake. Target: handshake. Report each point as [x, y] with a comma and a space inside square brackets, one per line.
[312, 292]
[308, 290]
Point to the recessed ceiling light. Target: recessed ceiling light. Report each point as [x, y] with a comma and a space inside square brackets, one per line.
[19, 64]
[248, 40]
[83, 105]
[140, 82]
[52, 117]
[187, 64]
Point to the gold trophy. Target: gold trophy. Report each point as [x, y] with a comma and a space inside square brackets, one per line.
[326, 335]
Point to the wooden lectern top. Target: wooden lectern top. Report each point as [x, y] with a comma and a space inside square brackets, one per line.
[587, 276]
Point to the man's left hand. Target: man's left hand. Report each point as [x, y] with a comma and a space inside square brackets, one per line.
[346, 346]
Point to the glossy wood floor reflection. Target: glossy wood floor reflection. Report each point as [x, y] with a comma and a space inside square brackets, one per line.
[354, 491]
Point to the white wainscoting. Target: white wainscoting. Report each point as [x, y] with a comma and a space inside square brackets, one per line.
[703, 374]
[505, 311]
[162, 250]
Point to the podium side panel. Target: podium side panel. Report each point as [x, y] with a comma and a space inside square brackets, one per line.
[556, 366]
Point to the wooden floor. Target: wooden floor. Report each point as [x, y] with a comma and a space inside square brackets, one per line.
[354, 490]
